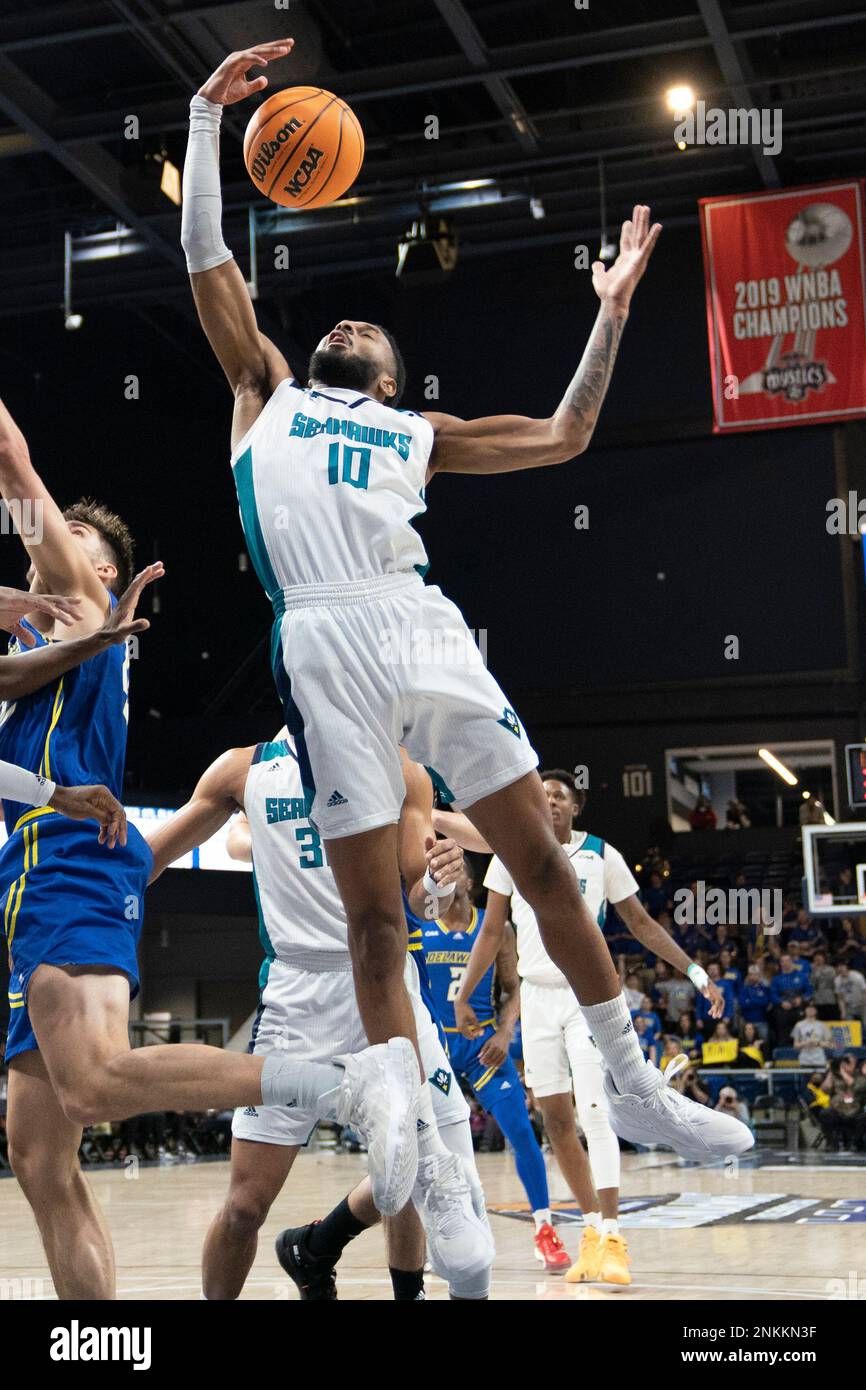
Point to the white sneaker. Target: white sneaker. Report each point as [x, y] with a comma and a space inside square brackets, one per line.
[459, 1239]
[379, 1098]
[665, 1117]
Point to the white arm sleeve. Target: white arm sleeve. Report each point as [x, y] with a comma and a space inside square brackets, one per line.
[201, 219]
[28, 788]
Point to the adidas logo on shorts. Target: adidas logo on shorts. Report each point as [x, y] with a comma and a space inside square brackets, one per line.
[336, 799]
[252, 1112]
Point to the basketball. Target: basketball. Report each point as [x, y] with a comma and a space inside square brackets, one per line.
[303, 147]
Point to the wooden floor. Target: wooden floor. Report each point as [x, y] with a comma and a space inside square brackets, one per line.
[158, 1220]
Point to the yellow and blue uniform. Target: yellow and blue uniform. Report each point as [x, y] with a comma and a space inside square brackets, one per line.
[498, 1089]
[66, 899]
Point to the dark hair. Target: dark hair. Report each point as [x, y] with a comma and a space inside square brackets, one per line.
[399, 365]
[114, 532]
[559, 774]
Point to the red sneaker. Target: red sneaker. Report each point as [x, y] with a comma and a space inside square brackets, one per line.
[550, 1250]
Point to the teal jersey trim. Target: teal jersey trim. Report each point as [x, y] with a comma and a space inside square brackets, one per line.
[266, 752]
[243, 474]
[594, 845]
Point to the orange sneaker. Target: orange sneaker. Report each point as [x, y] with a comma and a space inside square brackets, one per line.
[550, 1250]
[585, 1268]
[613, 1261]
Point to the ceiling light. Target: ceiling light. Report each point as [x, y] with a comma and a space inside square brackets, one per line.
[680, 98]
[779, 768]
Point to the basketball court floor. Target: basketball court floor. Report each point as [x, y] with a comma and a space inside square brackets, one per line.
[780, 1228]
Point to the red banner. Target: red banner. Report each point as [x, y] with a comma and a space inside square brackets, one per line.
[785, 306]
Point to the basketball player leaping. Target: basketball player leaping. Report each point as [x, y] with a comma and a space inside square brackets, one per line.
[72, 914]
[329, 478]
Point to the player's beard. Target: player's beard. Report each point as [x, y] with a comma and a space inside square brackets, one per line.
[336, 367]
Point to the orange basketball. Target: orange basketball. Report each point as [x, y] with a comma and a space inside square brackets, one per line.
[303, 147]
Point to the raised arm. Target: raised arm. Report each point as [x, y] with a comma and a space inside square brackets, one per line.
[429, 867]
[61, 562]
[251, 362]
[488, 944]
[504, 443]
[215, 799]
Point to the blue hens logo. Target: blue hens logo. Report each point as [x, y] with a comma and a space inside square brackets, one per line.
[510, 722]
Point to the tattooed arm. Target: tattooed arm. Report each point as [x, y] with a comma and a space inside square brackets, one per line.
[503, 443]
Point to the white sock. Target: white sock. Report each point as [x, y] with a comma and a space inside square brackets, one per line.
[429, 1139]
[305, 1085]
[542, 1218]
[610, 1226]
[593, 1219]
[611, 1027]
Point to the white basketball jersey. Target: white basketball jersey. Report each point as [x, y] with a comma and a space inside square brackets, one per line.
[329, 482]
[603, 876]
[301, 914]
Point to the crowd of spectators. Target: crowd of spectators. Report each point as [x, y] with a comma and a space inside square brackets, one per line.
[780, 990]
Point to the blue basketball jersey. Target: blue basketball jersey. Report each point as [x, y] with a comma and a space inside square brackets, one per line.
[72, 731]
[447, 953]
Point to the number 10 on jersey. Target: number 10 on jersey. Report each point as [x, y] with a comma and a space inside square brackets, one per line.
[348, 463]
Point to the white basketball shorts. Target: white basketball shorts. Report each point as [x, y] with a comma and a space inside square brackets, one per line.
[363, 667]
[313, 1014]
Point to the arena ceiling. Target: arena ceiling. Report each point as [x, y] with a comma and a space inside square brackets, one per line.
[530, 97]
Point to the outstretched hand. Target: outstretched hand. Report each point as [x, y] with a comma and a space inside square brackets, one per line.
[15, 604]
[230, 82]
[636, 244]
[121, 621]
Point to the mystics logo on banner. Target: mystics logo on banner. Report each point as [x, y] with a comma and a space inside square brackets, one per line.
[785, 306]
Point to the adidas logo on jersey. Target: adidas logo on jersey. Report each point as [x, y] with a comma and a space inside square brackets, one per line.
[252, 1112]
[510, 722]
[337, 799]
[506, 1086]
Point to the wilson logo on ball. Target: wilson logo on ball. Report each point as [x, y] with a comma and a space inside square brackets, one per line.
[303, 147]
[304, 172]
[270, 148]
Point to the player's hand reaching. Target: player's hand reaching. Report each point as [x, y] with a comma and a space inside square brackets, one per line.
[230, 82]
[15, 604]
[716, 998]
[466, 1020]
[93, 803]
[636, 243]
[121, 621]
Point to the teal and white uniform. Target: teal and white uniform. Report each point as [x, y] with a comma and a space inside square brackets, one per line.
[365, 655]
[558, 1052]
[307, 1004]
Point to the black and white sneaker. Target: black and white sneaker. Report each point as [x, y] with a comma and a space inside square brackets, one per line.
[314, 1275]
